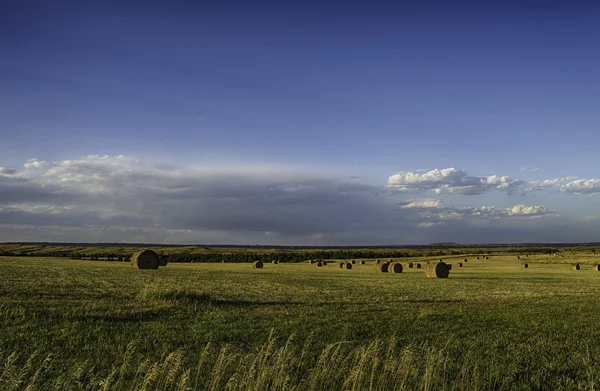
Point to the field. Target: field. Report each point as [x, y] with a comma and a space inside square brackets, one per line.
[85, 325]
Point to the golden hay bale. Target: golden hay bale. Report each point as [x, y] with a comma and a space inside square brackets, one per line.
[363, 262]
[275, 262]
[145, 259]
[449, 266]
[487, 258]
[396, 268]
[477, 257]
[390, 261]
[410, 265]
[162, 261]
[466, 260]
[596, 268]
[311, 261]
[348, 265]
[319, 264]
[418, 265]
[524, 265]
[437, 270]
[257, 265]
[353, 262]
[518, 257]
[383, 267]
[575, 266]
[459, 264]
[324, 263]
[342, 265]
[377, 261]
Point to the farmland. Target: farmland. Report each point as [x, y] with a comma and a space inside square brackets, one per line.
[84, 325]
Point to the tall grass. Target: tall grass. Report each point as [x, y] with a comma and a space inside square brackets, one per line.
[379, 365]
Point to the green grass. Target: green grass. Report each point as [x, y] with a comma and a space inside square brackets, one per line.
[79, 325]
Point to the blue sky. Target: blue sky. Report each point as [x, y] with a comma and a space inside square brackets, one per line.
[301, 96]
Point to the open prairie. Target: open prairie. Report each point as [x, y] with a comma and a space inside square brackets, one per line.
[84, 325]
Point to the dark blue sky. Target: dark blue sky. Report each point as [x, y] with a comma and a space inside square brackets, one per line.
[366, 89]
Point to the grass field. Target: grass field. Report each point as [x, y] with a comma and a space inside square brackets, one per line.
[79, 325]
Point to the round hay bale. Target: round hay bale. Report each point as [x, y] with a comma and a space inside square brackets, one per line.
[363, 262]
[396, 268]
[477, 257]
[524, 265]
[390, 261]
[275, 262]
[383, 267]
[348, 266]
[437, 270]
[324, 263]
[466, 260]
[377, 261]
[311, 261]
[145, 259]
[341, 265]
[258, 265]
[162, 261]
[418, 265]
[449, 266]
[518, 257]
[410, 265]
[459, 264]
[575, 266]
[319, 264]
[353, 262]
[596, 268]
[487, 258]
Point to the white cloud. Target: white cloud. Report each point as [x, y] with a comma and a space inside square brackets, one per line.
[7, 171]
[34, 163]
[450, 181]
[426, 203]
[582, 186]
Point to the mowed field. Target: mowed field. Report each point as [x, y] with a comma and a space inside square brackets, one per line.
[84, 325]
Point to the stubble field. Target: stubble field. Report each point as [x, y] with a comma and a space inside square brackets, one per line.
[84, 325]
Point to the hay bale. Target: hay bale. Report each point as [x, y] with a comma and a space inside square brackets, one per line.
[575, 266]
[477, 257]
[459, 264]
[145, 259]
[377, 261]
[162, 261]
[354, 262]
[418, 265]
[449, 266]
[465, 260]
[383, 267]
[363, 262]
[524, 265]
[341, 265]
[348, 266]
[487, 258]
[410, 265]
[311, 261]
[324, 263]
[437, 270]
[390, 261]
[258, 265]
[275, 262]
[395, 268]
[518, 257]
[319, 264]
[596, 268]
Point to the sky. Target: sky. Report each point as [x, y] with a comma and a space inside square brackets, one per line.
[299, 123]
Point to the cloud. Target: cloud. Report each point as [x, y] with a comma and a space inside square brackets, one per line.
[450, 181]
[122, 198]
[529, 169]
[582, 186]
[34, 163]
[7, 171]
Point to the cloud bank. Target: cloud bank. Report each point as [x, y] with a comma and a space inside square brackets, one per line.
[124, 199]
